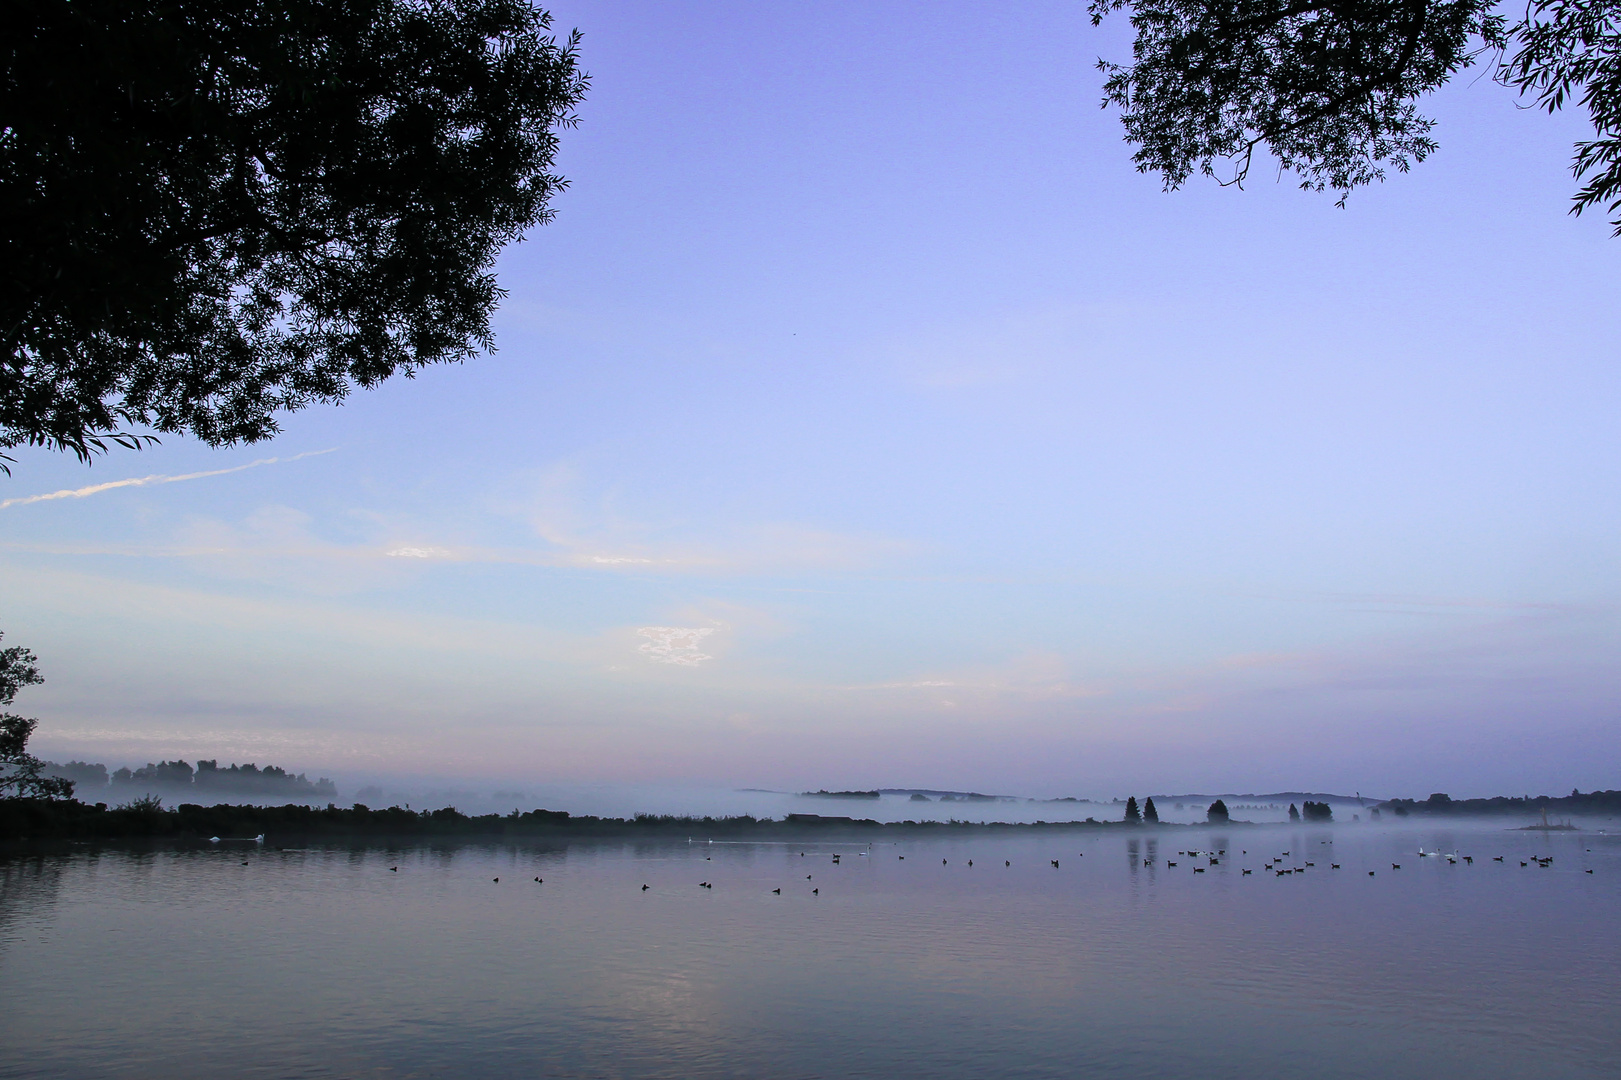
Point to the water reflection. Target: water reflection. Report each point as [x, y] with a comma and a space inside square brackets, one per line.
[416, 961]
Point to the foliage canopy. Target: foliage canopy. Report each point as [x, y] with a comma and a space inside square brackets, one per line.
[217, 210]
[1330, 88]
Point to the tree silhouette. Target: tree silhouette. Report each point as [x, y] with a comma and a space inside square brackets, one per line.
[21, 773]
[1331, 87]
[1132, 813]
[1216, 814]
[218, 210]
[1149, 812]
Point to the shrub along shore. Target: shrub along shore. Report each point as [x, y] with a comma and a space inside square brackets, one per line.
[40, 820]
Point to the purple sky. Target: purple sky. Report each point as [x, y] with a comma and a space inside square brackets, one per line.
[865, 419]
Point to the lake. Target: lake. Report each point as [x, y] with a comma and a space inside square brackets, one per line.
[246, 961]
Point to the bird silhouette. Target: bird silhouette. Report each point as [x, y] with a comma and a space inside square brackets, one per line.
[777, 891]
[538, 879]
[394, 869]
[496, 880]
[646, 887]
[1370, 873]
[816, 892]
[1055, 862]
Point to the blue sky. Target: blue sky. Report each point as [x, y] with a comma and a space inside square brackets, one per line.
[864, 418]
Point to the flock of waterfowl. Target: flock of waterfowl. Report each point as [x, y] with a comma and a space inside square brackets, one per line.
[1281, 864]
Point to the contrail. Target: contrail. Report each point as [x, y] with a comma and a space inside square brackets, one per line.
[142, 481]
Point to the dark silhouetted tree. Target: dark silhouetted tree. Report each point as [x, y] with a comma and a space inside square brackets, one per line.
[1294, 814]
[1132, 813]
[22, 775]
[218, 210]
[1149, 811]
[1316, 811]
[1217, 813]
[1330, 88]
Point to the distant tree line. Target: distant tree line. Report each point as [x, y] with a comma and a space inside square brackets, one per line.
[90, 780]
[1592, 804]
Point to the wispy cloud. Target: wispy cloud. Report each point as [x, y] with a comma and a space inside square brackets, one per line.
[144, 481]
[675, 644]
[419, 553]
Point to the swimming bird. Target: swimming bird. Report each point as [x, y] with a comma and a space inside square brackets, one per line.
[1370, 873]
[1198, 869]
[496, 880]
[777, 891]
[1523, 862]
[1007, 862]
[646, 887]
[970, 862]
[1589, 871]
[816, 892]
[394, 869]
[244, 864]
[903, 858]
[807, 877]
[1055, 863]
[1497, 858]
[1246, 872]
[539, 881]
[1168, 862]
[942, 862]
[1334, 865]
[1395, 866]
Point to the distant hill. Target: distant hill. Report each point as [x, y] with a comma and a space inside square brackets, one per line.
[1284, 797]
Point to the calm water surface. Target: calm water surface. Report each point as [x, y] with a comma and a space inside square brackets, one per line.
[326, 963]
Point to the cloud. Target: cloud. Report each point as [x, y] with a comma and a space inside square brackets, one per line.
[418, 553]
[144, 481]
[675, 644]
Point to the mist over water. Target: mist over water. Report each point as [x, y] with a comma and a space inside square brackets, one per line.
[328, 962]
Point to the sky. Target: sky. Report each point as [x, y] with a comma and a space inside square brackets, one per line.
[865, 419]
